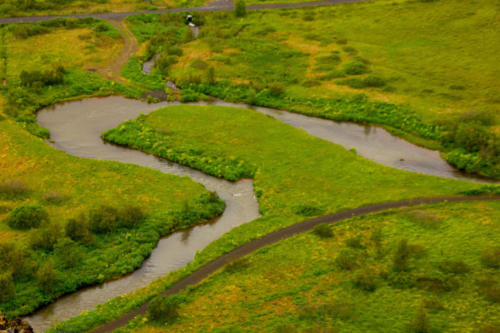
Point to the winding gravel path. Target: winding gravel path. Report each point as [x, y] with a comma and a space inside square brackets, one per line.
[214, 6]
[277, 236]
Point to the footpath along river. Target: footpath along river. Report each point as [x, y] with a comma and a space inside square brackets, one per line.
[76, 128]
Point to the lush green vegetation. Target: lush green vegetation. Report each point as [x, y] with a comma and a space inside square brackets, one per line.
[32, 65]
[292, 170]
[419, 269]
[293, 179]
[55, 236]
[420, 79]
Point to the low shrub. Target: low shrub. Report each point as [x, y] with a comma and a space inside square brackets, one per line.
[366, 280]
[491, 257]
[45, 238]
[424, 219]
[12, 258]
[401, 257]
[25, 217]
[11, 189]
[308, 210]
[78, 230]
[454, 267]
[240, 8]
[347, 259]
[355, 68]
[420, 322]
[355, 242]
[401, 280]
[323, 230]
[371, 81]
[106, 219]
[47, 277]
[437, 283]
[164, 309]
[276, 88]
[38, 79]
[7, 287]
[130, 216]
[237, 265]
[199, 64]
[433, 305]
[54, 197]
[68, 252]
[103, 219]
[350, 50]
[175, 51]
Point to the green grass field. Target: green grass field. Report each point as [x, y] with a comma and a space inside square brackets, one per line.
[420, 57]
[297, 285]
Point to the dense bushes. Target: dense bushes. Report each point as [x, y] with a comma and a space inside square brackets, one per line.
[164, 309]
[38, 79]
[27, 216]
[355, 68]
[7, 287]
[323, 230]
[107, 218]
[240, 8]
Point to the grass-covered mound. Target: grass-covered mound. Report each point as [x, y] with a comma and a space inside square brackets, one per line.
[67, 222]
[422, 269]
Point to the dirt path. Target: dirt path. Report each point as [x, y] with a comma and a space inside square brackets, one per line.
[274, 237]
[130, 47]
[217, 5]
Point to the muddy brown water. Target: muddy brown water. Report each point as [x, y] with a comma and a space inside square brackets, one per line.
[76, 128]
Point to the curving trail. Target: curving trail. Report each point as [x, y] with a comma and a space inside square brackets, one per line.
[130, 47]
[214, 6]
[277, 236]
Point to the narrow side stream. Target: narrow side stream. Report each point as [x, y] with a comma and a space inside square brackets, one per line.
[76, 128]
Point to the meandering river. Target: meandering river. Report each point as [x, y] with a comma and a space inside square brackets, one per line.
[76, 128]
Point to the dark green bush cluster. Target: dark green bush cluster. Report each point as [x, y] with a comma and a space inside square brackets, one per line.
[24, 31]
[308, 210]
[139, 136]
[25, 217]
[371, 81]
[164, 309]
[491, 257]
[347, 259]
[240, 8]
[323, 230]
[366, 280]
[355, 68]
[106, 219]
[38, 79]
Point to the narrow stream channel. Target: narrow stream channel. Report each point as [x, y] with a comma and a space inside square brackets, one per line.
[76, 128]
